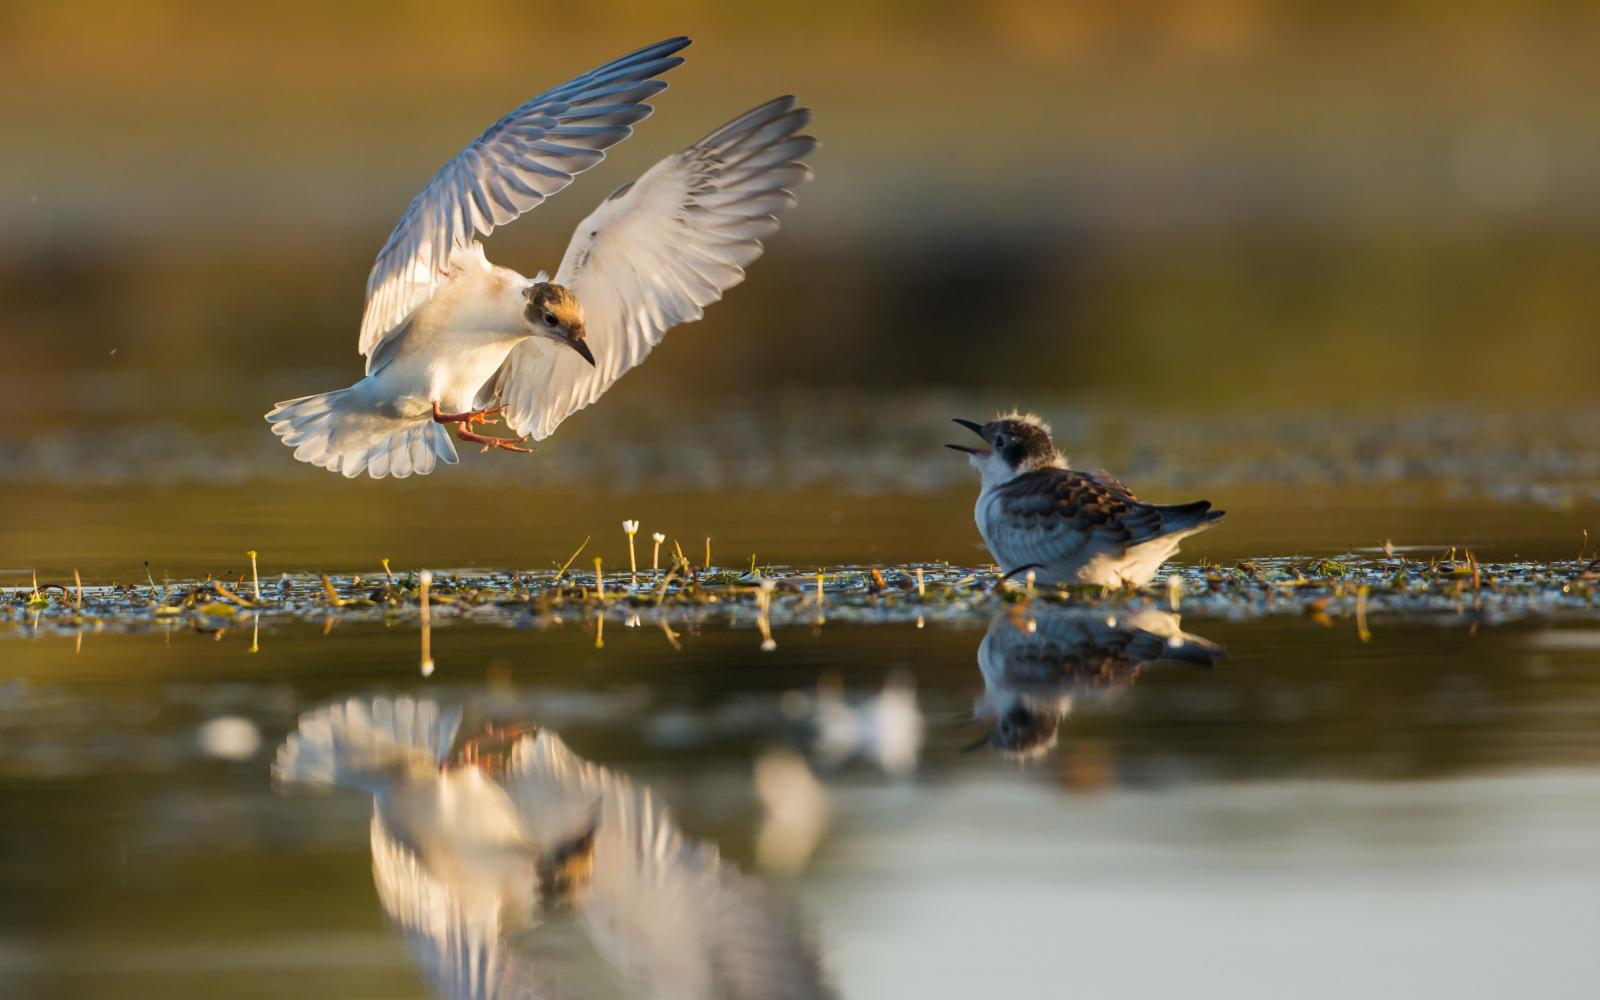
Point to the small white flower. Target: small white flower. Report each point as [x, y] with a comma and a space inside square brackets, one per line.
[659, 537]
[631, 527]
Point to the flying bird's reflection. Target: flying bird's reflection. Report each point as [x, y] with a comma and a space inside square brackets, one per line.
[1036, 663]
[517, 869]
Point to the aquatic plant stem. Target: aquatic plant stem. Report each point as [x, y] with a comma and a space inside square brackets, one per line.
[427, 625]
[632, 528]
[573, 558]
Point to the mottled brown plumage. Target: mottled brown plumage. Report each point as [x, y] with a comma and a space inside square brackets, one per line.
[1065, 525]
[1052, 499]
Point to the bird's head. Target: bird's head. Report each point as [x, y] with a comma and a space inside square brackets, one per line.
[565, 871]
[1013, 443]
[554, 312]
[1020, 732]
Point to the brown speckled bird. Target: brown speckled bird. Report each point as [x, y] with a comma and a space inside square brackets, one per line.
[1065, 525]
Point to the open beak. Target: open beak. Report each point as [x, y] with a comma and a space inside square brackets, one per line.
[576, 342]
[975, 428]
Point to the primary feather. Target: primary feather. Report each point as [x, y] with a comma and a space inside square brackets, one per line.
[516, 163]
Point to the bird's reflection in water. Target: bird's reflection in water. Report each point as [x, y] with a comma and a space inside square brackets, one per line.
[1037, 663]
[515, 868]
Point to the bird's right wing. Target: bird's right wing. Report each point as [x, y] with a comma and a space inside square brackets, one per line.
[461, 946]
[1059, 514]
[656, 253]
[518, 162]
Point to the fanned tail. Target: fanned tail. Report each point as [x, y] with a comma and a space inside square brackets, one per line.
[346, 431]
[361, 743]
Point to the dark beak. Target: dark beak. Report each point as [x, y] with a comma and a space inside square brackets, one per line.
[975, 428]
[979, 743]
[576, 342]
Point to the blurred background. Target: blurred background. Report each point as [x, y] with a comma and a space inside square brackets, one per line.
[1247, 223]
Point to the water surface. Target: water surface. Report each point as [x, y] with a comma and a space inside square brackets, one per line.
[1413, 812]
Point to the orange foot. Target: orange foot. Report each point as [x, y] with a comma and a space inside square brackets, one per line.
[502, 444]
[465, 421]
[468, 419]
[491, 750]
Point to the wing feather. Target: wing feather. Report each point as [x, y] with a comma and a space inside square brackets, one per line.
[1058, 514]
[656, 253]
[519, 161]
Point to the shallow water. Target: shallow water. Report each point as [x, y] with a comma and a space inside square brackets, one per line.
[1377, 768]
[1413, 813]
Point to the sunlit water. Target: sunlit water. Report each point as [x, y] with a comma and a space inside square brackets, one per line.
[1312, 814]
[1256, 800]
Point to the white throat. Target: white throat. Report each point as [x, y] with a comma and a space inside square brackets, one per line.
[993, 469]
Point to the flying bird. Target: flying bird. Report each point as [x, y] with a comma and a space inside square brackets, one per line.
[1065, 525]
[453, 339]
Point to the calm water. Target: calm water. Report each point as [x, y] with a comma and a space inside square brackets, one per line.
[1411, 816]
[1038, 804]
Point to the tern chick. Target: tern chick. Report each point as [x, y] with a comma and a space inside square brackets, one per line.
[1065, 525]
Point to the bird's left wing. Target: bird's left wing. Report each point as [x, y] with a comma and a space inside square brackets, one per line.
[520, 160]
[656, 253]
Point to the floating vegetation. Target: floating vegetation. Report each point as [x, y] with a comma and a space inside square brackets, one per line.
[1450, 588]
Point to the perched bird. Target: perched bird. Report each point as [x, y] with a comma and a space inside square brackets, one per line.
[1065, 525]
[451, 338]
[1036, 666]
[526, 871]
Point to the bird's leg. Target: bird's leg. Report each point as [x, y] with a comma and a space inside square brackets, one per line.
[504, 444]
[1020, 570]
[468, 419]
[491, 749]
[465, 421]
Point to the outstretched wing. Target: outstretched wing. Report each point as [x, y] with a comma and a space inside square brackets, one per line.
[519, 161]
[663, 908]
[655, 253]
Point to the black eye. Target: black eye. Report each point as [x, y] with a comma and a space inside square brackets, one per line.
[550, 319]
[999, 441]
